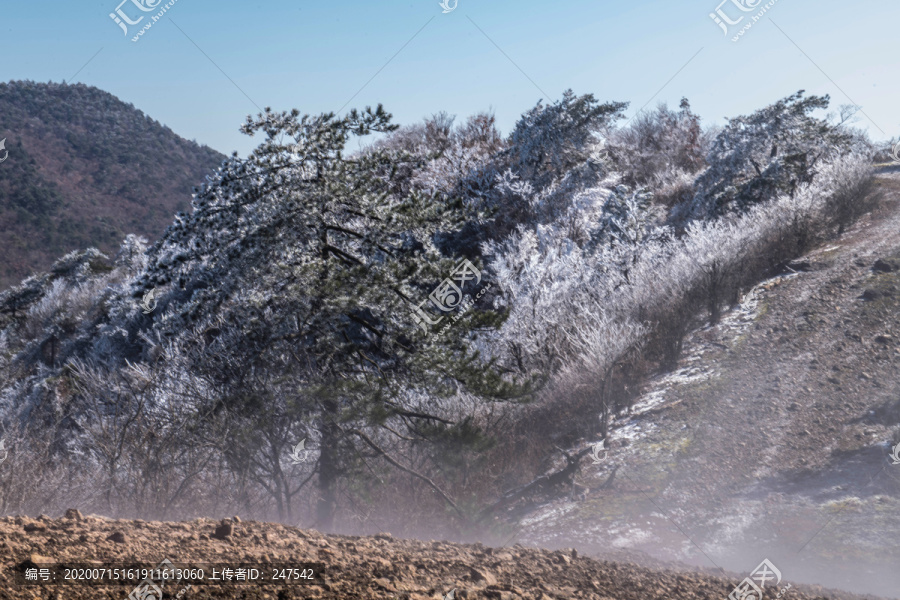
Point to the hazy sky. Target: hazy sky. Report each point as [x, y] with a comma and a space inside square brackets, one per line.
[315, 56]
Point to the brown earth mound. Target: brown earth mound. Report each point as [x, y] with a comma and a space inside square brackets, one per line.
[350, 567]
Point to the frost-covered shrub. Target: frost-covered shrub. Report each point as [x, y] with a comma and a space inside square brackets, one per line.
[455, 160]
[660, 147]
[551, 274]
[672, 187]
[850, 190]
[606, 262]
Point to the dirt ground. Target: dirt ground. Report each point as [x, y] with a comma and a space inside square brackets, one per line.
[378, 567]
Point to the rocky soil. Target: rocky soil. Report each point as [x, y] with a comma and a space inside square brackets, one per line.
[351, 567]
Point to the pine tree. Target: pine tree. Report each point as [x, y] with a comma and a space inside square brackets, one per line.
[771, 152]
[309, 265]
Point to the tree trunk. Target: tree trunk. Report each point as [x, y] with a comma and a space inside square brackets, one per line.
[328, 468]
[712, 295]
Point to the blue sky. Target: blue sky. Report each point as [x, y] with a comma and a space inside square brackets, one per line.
[315, 56]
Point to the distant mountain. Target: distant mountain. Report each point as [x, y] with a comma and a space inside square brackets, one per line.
[85, 169]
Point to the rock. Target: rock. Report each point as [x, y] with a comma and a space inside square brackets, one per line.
[884, 338]
[482, 577]
[34, 561]
[224, 530]
[385, 584]
[32, 527]
[886, 265]
[236, 519]
[384, 535]
[870, 295]
[117, 537]
[800, 265]
[75, 514]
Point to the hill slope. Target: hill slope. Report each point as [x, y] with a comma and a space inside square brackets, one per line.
[773, 437]
[84, 169]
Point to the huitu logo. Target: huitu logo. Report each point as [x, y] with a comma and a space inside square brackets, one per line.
[448, 296]
[748, 588]
[447, 6]
[121, 18]
[595, 453]
[148, 589]
[299, 453]
[895, 456]
[721, 18]
[5, 151]
[724, 21]
[3, 452]
[895, 153]
[148, 304]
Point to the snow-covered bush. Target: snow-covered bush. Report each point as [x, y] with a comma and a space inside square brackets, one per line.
[660, 147]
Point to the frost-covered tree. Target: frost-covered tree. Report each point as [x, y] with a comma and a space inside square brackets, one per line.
[550, 140]
[307, 267]
[553, 153]
[771, 152]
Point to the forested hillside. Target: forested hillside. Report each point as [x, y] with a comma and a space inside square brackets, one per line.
[414, 330]
[85, 169]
